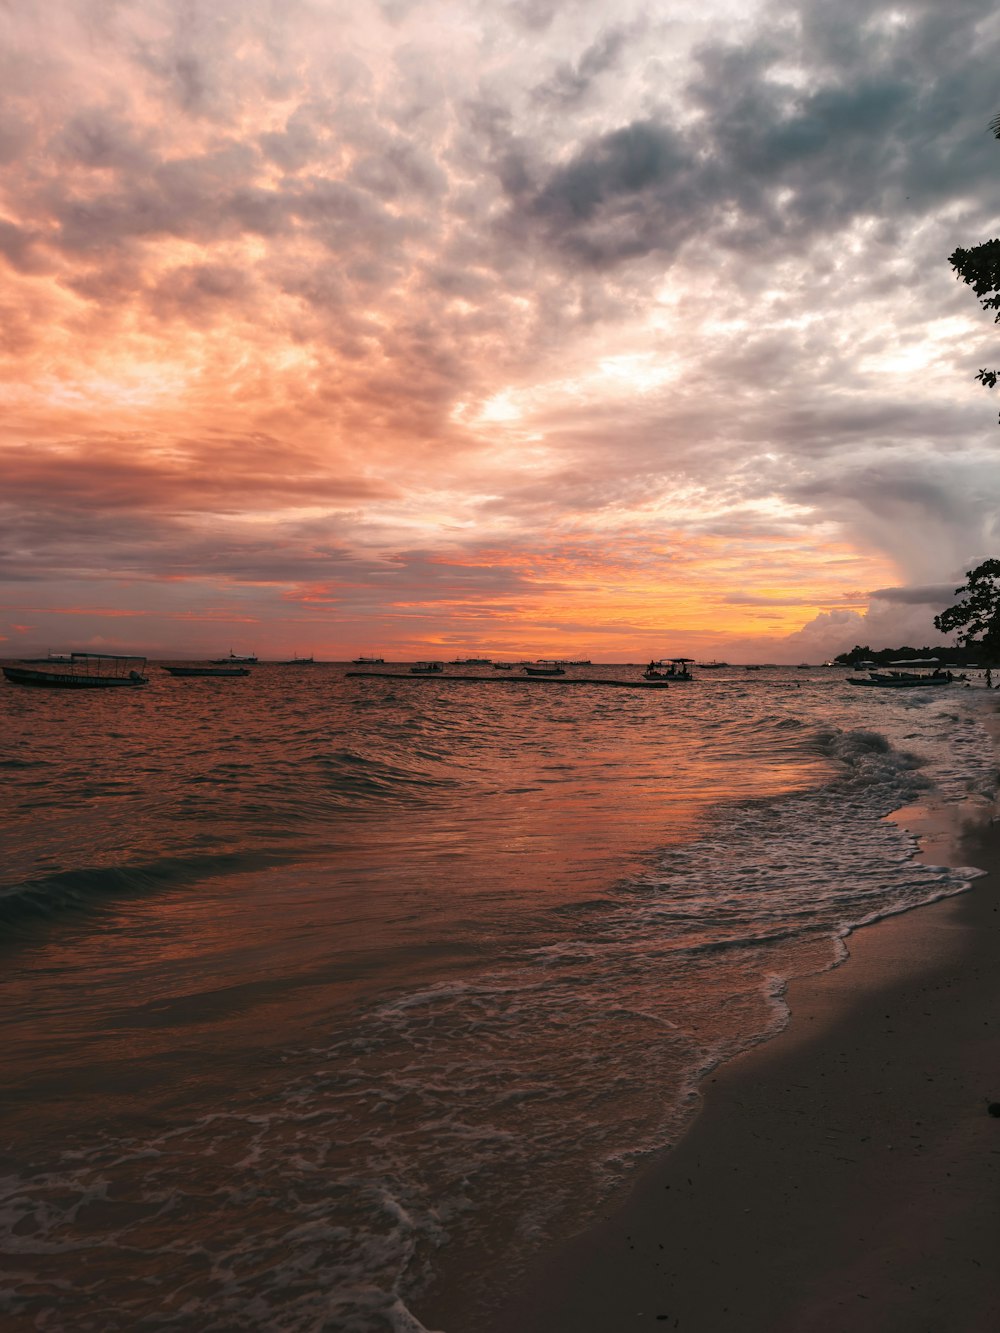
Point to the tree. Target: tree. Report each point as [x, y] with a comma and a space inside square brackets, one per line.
[977, 616]
[980, 269]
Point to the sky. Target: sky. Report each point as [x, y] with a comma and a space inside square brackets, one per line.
[510, 327]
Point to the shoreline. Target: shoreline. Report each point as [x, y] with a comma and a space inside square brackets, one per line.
[845, 1173]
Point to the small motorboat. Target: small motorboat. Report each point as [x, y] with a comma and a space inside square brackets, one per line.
[544, 668]
[426, 668]
[669, 669]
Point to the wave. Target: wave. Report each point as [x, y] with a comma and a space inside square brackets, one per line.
[85, 888]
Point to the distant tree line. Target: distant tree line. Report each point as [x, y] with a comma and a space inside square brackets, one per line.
[972, 654]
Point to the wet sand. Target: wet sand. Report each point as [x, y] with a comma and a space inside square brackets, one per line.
[844, 1175]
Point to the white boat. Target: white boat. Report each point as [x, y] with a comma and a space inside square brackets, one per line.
[235, 659]
[544, 668]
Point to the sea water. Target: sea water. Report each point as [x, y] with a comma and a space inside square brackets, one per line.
[321, 991]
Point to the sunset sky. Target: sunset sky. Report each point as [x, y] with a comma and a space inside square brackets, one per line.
[514, 327]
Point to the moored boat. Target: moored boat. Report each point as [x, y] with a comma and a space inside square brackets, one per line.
[207, 670]
[83, 671]
[544, 668]
[901, 680]
[426, 668]
[235, 659]
[367, 661]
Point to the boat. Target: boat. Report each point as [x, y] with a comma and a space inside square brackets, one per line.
[297, 661]
[503, 666]
[235, 659]
[83, 671]
[471, 661]
[544, 668]
[367, 661]
[669, 669]
[901, 680]
[207, 670]
[712, 666]
[898, 678]
[426, 668]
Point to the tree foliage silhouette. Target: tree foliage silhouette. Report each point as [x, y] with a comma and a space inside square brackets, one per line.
[977, 617]
[979, 267]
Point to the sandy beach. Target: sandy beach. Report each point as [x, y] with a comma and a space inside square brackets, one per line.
[844, 1175]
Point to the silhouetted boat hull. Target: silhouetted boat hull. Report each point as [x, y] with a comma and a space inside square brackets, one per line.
[207, 670]
[86, 671]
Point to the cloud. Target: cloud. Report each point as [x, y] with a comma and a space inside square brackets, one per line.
[351, 296]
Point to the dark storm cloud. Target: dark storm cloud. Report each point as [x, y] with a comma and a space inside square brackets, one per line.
[942, 594]
[859, 132]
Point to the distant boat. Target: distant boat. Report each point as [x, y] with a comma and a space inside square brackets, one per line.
[248, 660]
[544, 668]
[503, 666]
[712, 666]
[49, 657]
[902, 679]
[669, 669]
[367, 661]
[207, 670]
[426, 668]
[297, 661]
[472, 661]
[83, 671]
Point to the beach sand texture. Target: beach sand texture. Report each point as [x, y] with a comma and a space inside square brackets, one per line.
[845, 1175]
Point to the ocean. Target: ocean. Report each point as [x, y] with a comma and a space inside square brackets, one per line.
[325, 994]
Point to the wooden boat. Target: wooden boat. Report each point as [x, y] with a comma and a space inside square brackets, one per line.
[669, 669]
[83, 671]
[503, 666]
[901, 680]
[207, 670]
[544, 669]
[235, 659]
[426, 668]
